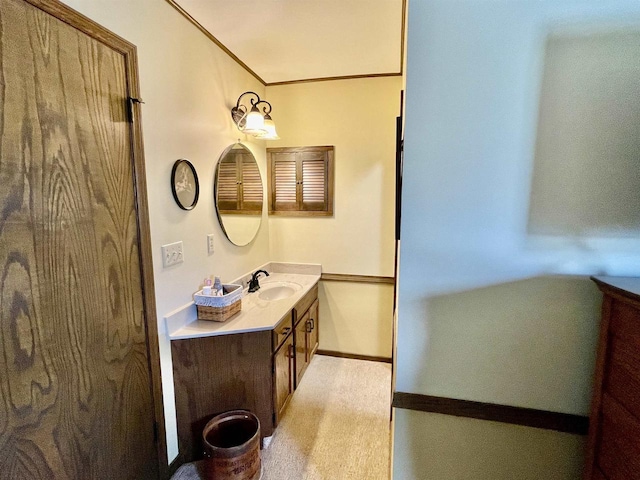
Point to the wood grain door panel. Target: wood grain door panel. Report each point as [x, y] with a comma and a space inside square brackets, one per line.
[75, 394]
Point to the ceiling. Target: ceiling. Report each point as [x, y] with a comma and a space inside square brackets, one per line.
[290, 40]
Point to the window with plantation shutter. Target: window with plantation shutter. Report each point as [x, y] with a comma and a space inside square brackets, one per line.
[300, 181]
[239, 185]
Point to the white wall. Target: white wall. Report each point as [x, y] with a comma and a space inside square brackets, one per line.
[357, 117]
[189, 86]
[486, 312]
[585, 177]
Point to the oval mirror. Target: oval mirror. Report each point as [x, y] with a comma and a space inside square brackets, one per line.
[238, 194]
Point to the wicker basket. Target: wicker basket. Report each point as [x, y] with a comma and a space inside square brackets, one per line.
[219, 309]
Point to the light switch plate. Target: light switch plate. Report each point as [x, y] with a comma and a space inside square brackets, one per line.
[172, 253]
[210, 243]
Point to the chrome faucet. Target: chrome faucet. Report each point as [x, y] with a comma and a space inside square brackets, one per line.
[254, 286]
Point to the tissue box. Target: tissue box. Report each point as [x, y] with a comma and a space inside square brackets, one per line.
[219, 309]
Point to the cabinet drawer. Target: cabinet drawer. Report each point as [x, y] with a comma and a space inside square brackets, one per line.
[305, 302]
[619, 454]
[282, 330]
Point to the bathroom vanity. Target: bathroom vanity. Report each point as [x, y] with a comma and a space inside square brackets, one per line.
[253, 361]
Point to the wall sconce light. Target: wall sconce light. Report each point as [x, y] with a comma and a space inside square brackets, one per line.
[253, 122]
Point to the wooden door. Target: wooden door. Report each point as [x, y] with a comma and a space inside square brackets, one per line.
[76, 398]
[283, 373]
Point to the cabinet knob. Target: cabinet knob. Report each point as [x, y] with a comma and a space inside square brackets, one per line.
[309, 327]
[286, 330]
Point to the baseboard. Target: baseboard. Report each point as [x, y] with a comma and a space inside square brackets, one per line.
[354, 356]
[561, 422]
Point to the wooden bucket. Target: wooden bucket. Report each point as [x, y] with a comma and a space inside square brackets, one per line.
[232, 445]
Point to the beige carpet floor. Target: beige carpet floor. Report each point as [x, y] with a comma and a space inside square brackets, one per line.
[337, 424]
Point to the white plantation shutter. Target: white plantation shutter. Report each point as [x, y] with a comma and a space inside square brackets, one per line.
[300, 181]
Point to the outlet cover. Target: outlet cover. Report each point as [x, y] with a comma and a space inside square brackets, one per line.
[210, 243]
[172, 253]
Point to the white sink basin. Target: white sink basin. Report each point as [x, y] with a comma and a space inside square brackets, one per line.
[278, 290]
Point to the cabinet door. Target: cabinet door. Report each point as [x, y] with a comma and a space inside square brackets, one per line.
[283, 372]
[302, 347]
[312, 331]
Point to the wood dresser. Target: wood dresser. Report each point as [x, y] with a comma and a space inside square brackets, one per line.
[614, 432]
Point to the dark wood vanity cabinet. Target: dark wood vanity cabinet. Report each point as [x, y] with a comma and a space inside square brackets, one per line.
[215, 374]
[614, 428]
[283, 373]
[313, 337]
[254, 371]
[305, 319]
[306, 340]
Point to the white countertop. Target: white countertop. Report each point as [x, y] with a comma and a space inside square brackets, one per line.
[256, 314]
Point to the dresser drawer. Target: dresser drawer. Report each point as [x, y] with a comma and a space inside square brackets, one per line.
[622, 373]
[619, 453]
[598, 475]
[305, 302]
[625, 322]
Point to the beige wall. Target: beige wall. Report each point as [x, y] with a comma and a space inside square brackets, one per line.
[358, 118]
[430, 446]
[356, 318]
[528, 343]
[188, 85]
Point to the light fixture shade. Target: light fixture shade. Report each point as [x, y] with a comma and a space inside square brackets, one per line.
[254, 122]
[270, 129]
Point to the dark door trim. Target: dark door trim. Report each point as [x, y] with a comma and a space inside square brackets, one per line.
[128, 51]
